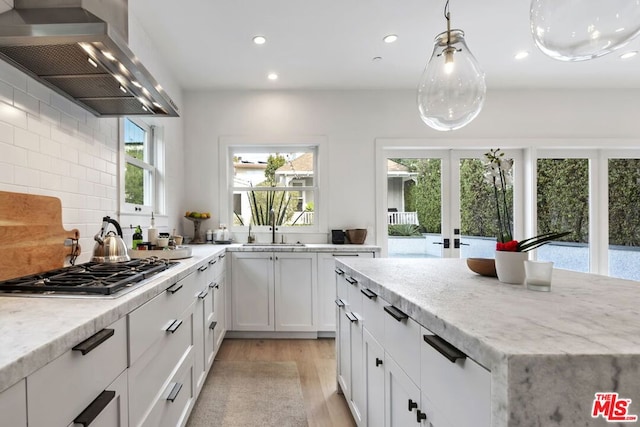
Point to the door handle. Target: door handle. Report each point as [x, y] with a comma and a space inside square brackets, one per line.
[457, 243]
[445, 242]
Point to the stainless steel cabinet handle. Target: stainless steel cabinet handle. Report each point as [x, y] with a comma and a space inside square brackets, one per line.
[395, 313]
[95, 408]
[444, 348]
[174, 392]
[174, 326]
[94, 341]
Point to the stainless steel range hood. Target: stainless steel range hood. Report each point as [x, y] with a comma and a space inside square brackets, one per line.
[79, 49]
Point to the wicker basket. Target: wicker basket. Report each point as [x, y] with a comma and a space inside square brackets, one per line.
[356, 236]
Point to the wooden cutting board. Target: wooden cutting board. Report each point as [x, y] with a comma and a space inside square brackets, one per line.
[32, 239]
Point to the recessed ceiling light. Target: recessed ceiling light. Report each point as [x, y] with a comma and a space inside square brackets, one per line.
[272, 76]
[390, 38]
[521, 55]
[259, 40]
[628, 55]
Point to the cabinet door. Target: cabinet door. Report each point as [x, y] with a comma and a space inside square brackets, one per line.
[13, 405]
[295, 291]
[109, 409]
[327, 287]
[374, 381]
[199, 334]
[219, 312]
[343, 349]
[402, 396]
[252, 291]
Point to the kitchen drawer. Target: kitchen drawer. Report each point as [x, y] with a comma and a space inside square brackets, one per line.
[458, 388]
[342, 286]
[109, 409]
[13, 405]
[148, 323]
[150, 373]
[172, 405]
[373, 313]
[353, 294]
[61, 390]
[402, 340]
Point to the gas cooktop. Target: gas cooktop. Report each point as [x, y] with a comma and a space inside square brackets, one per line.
[90, 279]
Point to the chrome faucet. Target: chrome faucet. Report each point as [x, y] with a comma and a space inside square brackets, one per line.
[272, 222]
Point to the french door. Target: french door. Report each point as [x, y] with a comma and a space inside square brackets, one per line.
[439, 205]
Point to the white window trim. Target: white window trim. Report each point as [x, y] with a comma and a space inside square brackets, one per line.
[155, 145]
[230, 144]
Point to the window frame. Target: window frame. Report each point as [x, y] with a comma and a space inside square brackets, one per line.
[229, 146]
[151, 152]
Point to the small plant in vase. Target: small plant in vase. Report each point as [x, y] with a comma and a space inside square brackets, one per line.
[510, 253]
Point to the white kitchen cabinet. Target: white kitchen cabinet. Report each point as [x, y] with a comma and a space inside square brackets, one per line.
[327, 287]
[109, 409]
[273, 291]
[13, 405]
[252, 291]
[161, 337]
[402, 396]
[455, 387]
[61, 391]
[373, 355]
[215, 310]
[295, 291]
[200, 315]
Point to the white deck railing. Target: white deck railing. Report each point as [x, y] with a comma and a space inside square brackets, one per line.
[394, 218]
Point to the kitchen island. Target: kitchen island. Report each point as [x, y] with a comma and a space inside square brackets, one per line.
[548, 353]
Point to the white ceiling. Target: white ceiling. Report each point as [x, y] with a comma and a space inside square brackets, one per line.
[330, 44]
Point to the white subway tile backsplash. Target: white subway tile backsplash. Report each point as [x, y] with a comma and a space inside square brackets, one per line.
[6, 93]
[14, 155]
[41, 127]
[105, 179]
[27, 177]
[6, 133]
[99, 164]
[85, 159]
[108, 205]
[50, 181]
[69, 185]
[69, 153]
[13, 76]
[93, 175]
[93, 202]
[77, 171]
[50, 147]
[49, 114]
[26, 139]
[112, 169]
[38, 90]
[39, 161]
[7, 174]
[68, 124]
[87, 188]
[26, 102]
[68, 107]
[12, 115]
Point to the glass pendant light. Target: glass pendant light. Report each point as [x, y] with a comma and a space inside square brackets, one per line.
[577, 30]
[452, 87]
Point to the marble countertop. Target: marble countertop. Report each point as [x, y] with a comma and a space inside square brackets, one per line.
[308, 247]
[581, 338]
[36, 330]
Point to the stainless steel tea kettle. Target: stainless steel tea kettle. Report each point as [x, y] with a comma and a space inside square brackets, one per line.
[110, 247]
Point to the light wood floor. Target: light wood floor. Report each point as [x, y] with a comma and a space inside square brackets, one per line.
[316, 363]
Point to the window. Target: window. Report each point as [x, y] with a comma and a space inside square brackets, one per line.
[274, 184]
[140, 170]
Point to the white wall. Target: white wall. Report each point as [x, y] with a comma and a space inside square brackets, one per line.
[50, 146]
[352, 121]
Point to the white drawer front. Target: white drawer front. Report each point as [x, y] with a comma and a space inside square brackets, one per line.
[402, 340]
[460, 391]
[152, 370]
[61, 390]
[147, 323]
[13, 405]
[354, 296]
[373, 313]
[170, 408]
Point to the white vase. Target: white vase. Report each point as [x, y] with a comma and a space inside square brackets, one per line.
[510, 266]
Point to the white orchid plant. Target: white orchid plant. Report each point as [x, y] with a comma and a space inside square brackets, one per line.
[499, 174]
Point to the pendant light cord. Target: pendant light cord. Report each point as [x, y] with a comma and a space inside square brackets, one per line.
[447, 16]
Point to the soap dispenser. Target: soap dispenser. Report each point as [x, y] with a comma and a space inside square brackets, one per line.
[137, 237]
[153, 231]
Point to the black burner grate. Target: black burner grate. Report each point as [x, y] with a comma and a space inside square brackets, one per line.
[90, 279]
